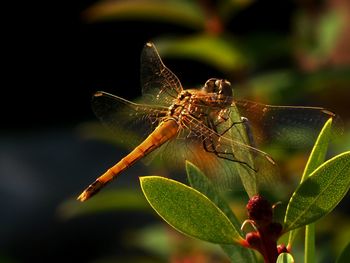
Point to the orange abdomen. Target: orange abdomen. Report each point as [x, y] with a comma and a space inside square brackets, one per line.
[165, 131]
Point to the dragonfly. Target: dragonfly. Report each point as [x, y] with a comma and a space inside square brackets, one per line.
[206, 125]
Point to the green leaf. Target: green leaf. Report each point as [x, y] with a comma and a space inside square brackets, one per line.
[188, 211]
[201, 183]
[345, 255]
[119, 200]
[316, 158]
[285, 258]
[319, 150]
[223, 54]
[184, 13]
[310, 245]
[248, 177]
[319, 193]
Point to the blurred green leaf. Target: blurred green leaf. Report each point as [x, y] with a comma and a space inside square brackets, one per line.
[264, 48]
[319, 193]
[287, 86]
[159, 240]
[318, 37]
[239, 254]
[188, 211]
[345, 254]
[119, 200]
[155, 239]
[285, 258]
[227, 8]
[184, 13]
[269, 85]
[221, 53]
[329, 29]
[201, 183]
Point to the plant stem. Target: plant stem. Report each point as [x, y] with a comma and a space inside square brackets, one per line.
[309, 256]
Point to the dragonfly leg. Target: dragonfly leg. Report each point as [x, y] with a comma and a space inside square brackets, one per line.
[242, 121]
[249, 131]
[209, 146]
[214, 125]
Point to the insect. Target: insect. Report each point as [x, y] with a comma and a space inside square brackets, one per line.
[201, 125]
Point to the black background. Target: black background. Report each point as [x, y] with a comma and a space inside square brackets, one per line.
[55, 60]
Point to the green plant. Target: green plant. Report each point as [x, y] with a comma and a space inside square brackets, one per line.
[245, 60]
[199, 211]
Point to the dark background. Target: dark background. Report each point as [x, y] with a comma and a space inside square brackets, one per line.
[54, 62]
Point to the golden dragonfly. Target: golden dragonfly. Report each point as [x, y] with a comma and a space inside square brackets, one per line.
[198, 125]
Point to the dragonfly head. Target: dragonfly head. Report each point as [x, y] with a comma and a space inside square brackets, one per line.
[219, 86]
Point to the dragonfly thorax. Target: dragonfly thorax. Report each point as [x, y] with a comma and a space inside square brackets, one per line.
[181, 105]
[199, 103]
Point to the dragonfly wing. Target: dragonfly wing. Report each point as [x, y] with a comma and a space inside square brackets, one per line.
[229, 140]
[293, 126]
[228, 163]
[131, 121]
[159, 85]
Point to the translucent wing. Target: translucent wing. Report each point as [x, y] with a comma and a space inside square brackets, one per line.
[294, 126]
[228, 162]
[159, 85]
[124, 117]
[221, 143]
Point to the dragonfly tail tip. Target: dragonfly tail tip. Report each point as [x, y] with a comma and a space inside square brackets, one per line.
[83, 197]
[90, 191]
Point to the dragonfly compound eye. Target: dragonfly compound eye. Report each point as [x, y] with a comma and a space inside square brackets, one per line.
[211, 85]
[225, 88]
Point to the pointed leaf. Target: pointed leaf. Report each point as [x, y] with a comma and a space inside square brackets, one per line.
[201, 183]
[316, 158]
[319, 193]
[248, 176]
[285, 258]
[188, 211]
[319, 150]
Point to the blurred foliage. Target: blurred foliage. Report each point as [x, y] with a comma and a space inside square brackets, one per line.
[219, 52]
[121, 200]
[308, 64]
[184, 13]
[344, 256]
